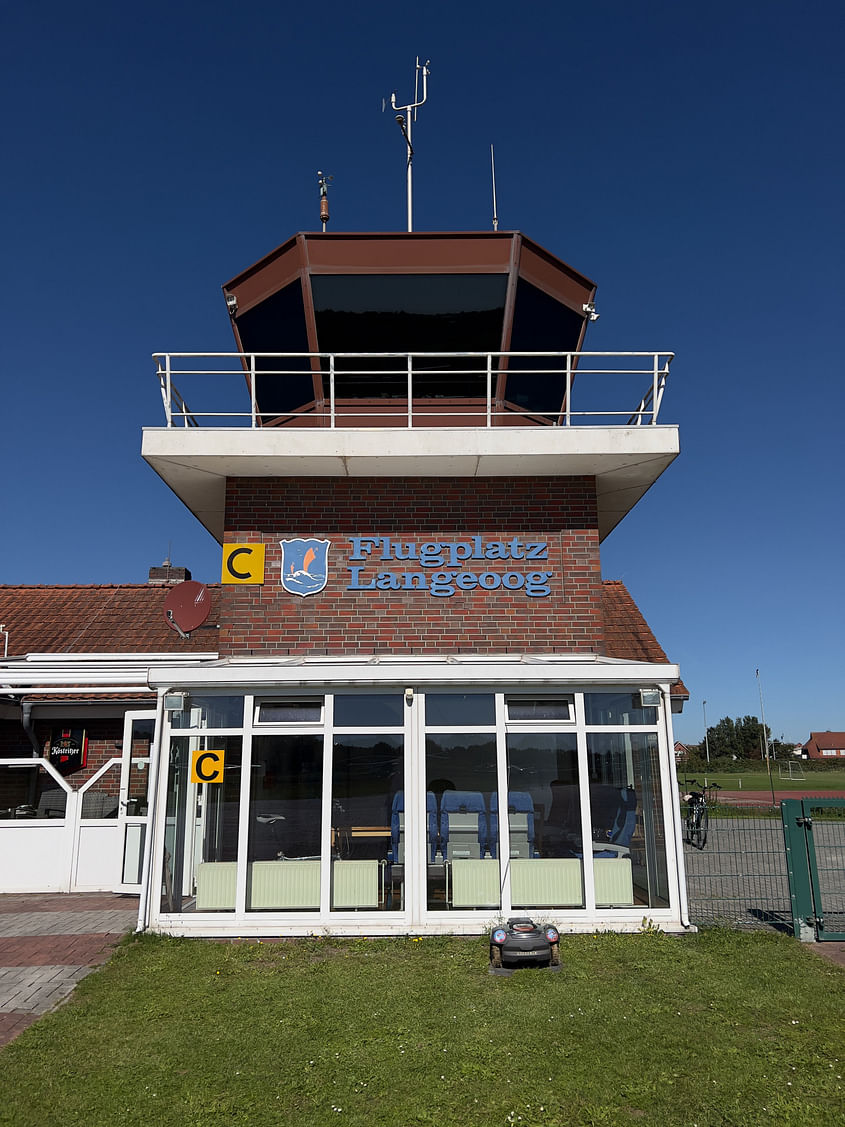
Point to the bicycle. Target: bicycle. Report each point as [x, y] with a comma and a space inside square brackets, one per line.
[697, 817]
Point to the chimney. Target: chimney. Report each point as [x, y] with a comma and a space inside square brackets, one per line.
[167, 575]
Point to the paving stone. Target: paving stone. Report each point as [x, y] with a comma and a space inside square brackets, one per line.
[14, 1023]
[66, 901]
[66, 922]
[36, 990]
[48, 942]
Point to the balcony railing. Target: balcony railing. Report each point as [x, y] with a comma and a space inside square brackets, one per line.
[406, 390]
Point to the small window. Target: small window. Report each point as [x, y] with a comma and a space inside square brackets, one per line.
[540, 708]
[208, 712]
[623, 709]
[289, 711]
[459, 709]
[373, 710]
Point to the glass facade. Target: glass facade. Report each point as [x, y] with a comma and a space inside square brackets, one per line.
[544, 817]
[360, 805]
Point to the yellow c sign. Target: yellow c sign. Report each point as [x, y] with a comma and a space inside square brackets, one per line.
[243, 563]
[207, 766]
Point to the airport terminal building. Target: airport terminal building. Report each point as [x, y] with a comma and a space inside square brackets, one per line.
[411, 703]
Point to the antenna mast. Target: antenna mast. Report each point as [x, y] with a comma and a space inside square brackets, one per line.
[405, 126]
[493, 173]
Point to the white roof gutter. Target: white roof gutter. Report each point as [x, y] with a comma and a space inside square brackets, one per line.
[552, 671]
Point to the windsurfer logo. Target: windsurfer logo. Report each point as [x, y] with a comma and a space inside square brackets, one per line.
[305, 565]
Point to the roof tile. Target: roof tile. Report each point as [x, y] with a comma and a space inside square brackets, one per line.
[127, 618]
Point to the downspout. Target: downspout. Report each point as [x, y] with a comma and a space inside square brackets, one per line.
[26, 724]
[675, 807]
[146, 869]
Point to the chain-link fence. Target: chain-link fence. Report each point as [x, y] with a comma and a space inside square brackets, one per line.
[739, 877]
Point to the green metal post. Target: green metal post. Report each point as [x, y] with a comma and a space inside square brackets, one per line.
[798, 869]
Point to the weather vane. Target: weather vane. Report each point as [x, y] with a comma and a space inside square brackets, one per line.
[323, 181]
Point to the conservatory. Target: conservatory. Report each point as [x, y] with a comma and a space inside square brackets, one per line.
[378, 796]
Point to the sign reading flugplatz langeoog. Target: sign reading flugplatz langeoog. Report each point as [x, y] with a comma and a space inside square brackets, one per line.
[442, 567]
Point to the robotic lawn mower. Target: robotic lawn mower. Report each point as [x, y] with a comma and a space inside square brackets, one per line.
[521, 942]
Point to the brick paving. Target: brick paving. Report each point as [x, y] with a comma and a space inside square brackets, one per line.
[48, 942]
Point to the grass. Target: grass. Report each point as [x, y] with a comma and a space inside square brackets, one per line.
[714, 1029]
[815, 782]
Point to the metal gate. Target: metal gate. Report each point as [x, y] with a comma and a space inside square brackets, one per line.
[814, 833]
[738, 878]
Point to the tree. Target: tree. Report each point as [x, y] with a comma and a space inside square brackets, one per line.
[737, 739]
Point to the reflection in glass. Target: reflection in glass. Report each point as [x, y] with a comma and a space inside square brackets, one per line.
[409, 313]
[29, 792]
[373, 710]
[617, 708]
[443, 710]
[543, 708]
[544, 819]
[540, 324]
[367, 790]
[137, 801]
[210, 712]
[629, 843]
[201, 828]
[461, 775]
[289, 711]
[277, 324]
[285, 822]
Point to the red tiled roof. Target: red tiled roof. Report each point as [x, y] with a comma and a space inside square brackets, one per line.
[627, 635]
[98, 619]
[826, 741]
[130, 619]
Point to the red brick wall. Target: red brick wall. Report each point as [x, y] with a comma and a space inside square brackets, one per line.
[560, 511]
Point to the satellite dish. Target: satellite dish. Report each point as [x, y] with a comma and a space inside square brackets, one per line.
[186, 607]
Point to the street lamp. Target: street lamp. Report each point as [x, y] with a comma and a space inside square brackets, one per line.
[706, 740]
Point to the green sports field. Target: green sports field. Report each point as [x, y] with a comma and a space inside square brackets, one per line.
[814, 782]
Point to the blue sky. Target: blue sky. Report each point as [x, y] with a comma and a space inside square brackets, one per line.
[689, 158]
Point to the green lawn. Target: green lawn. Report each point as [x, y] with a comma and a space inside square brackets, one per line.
[719, 1028]
[815, 782]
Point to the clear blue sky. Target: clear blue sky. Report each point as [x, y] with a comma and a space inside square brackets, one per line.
[689, 158]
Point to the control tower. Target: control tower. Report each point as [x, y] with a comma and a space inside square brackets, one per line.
[410, 461]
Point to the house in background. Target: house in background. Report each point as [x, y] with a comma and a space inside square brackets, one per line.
[825, 745]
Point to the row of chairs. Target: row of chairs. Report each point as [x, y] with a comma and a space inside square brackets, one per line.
[465, 825]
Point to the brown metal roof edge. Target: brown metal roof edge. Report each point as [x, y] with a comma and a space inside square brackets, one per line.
[412, 236]
[553, 260]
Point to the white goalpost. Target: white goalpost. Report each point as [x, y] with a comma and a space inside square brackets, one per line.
[790, 771]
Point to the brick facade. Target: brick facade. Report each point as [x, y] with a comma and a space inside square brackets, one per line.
[265, 620]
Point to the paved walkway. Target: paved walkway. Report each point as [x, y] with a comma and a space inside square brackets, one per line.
[48, 942]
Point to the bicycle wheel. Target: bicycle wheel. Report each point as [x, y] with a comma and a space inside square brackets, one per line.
[702, 828]
[688, 829]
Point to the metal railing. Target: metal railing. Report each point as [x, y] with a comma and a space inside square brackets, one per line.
[596, 380]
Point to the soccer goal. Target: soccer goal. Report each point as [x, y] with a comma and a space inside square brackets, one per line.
[790, 771]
